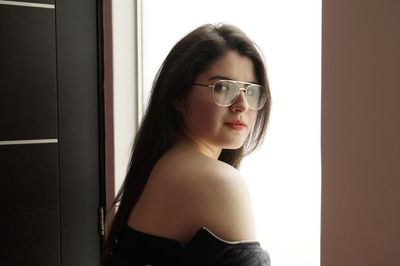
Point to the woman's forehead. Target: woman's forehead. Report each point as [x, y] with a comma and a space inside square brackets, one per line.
[231, 66]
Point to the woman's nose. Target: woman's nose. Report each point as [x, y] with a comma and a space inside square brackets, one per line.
[240, 104]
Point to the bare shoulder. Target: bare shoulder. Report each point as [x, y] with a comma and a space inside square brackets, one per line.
[221, 201]
[186, 193]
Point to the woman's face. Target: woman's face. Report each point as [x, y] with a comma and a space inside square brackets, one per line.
[218, 127]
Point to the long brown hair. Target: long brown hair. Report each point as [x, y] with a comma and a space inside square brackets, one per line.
[191, 56]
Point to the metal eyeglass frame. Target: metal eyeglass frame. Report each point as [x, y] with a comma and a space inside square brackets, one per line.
[241, 88]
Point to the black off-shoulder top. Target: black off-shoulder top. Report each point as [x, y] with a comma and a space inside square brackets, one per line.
[134, 248]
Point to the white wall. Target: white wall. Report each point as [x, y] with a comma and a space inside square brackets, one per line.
[124, 84]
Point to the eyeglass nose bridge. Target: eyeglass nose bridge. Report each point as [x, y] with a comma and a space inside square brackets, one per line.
[242, 85]
[241, 88]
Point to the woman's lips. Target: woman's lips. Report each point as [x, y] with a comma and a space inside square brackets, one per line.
[235, 125]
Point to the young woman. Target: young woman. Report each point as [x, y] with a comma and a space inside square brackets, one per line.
[183, 201]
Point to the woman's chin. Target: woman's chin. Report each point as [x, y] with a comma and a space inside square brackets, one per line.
[233, 146]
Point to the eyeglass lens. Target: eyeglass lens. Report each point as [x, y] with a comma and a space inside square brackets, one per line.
[225, 93]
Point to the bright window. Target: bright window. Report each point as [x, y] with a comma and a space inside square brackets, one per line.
[284, 176]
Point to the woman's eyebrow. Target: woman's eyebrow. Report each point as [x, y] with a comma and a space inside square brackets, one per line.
[219, 77]
[227, 78]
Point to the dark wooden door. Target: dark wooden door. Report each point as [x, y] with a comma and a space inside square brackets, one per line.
[51, 132]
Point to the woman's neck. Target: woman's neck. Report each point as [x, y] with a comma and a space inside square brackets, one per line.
[187, 141]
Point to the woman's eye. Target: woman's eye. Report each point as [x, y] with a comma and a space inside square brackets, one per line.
[253, 92]
[221, 88]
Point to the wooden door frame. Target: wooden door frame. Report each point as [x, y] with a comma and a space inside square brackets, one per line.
[79, 35]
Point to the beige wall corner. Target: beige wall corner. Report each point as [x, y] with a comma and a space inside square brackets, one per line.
[360, 133]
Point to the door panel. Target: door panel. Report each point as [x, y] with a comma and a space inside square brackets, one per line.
[29, 190]
[28, 95]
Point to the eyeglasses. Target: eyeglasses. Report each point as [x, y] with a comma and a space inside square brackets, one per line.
[226, 92]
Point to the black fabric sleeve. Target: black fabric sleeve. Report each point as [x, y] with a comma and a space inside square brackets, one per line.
[206, 250]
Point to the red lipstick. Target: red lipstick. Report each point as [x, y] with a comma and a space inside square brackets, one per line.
[235, 124]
